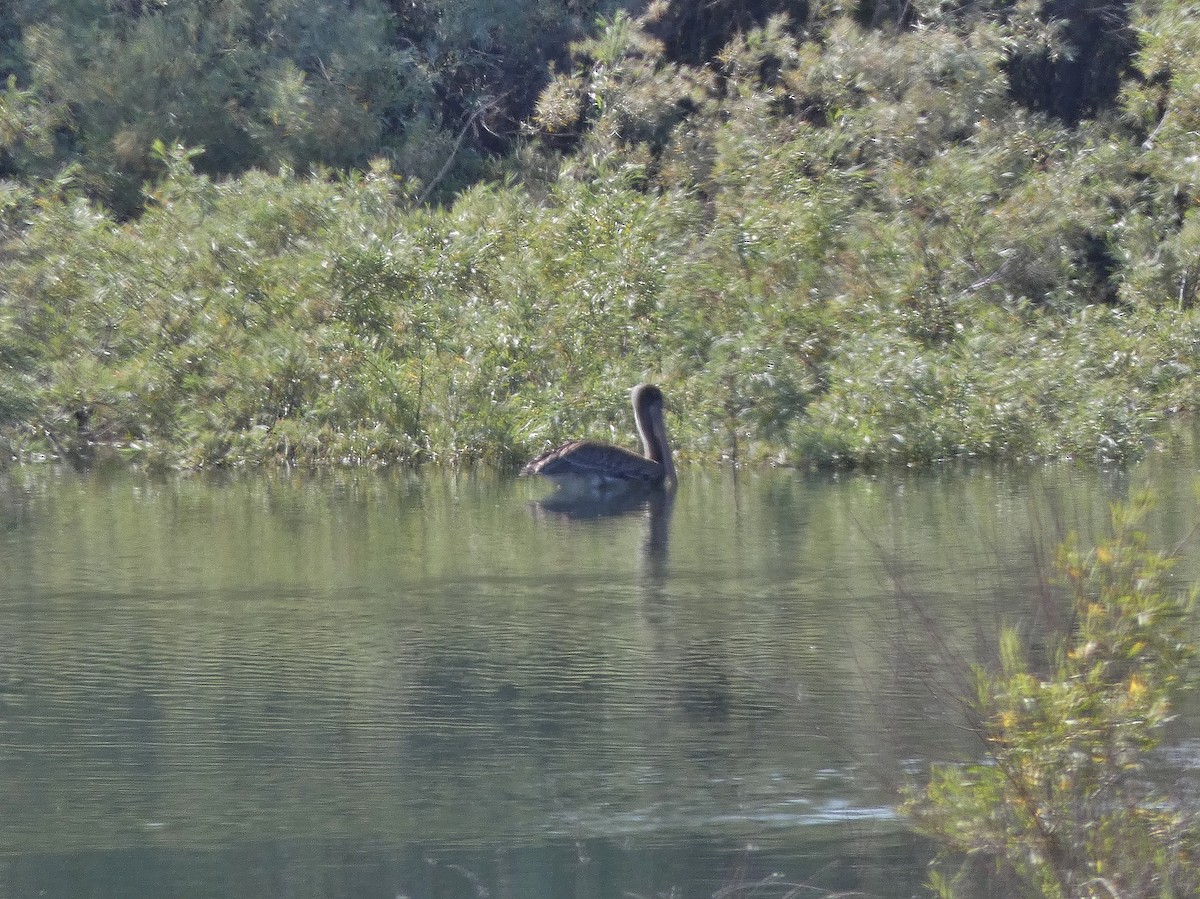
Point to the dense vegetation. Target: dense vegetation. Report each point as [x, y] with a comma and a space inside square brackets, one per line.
[308, 231]
[1075, 800]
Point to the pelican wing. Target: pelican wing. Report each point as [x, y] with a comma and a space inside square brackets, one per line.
[595, 461]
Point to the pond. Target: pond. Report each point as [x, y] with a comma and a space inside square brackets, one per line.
[440, 685]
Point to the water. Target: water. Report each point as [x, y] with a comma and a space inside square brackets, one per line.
[429, 685]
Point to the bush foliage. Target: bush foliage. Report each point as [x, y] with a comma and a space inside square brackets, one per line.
[1073, 800]
[244, 231]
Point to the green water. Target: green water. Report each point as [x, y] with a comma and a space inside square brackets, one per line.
[428, 685]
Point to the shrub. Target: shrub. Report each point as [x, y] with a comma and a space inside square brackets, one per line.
[1070, 801]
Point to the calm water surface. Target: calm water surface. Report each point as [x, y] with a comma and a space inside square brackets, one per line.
[434, 686]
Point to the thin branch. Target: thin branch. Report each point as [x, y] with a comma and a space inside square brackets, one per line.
[457, 144]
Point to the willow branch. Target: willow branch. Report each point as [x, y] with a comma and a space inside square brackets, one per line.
[457, 144]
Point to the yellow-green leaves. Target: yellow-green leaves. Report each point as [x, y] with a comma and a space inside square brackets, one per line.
[1067, 802]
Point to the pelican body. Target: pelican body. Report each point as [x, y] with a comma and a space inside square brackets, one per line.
[601, 467]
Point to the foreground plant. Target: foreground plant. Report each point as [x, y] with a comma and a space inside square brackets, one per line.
[1067, 802]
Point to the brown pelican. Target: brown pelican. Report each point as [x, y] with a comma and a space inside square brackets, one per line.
[600, 467]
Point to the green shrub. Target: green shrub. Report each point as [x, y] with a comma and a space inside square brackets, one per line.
[842, 247]
[1071, 800]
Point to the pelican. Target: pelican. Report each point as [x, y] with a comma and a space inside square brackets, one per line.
[600, 467]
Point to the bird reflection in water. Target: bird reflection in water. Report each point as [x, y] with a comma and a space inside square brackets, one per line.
[655, 506]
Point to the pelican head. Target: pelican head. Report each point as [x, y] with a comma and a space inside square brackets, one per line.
[648, 415]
